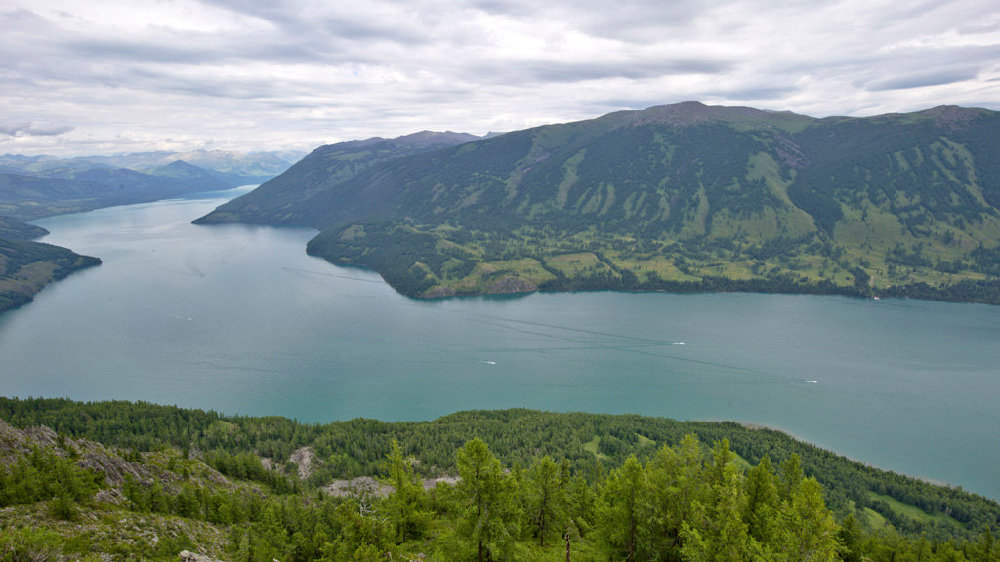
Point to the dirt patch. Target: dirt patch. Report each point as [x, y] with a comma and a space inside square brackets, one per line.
[432, 483]
[304, 459]
[439, 292]
[511, 284]
[362, 486]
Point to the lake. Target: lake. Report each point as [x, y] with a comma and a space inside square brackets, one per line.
[239, 319]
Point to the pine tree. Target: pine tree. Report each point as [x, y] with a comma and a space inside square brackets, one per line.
[717, 531]
[490, 520]
[621, 510]
[762, 506]
[406, 506]
[677, 482]
[809, 531]
[546, 498]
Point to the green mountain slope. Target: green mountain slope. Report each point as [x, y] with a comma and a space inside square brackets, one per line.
[76, 190]
[678, 197]
[300, 196]
[27, 267]
[14, 229]
[181, 170]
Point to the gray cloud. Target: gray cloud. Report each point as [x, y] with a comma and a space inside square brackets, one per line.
[29, 130]
[922, 79]
[754, 93]
[260, 74]
[541, 71]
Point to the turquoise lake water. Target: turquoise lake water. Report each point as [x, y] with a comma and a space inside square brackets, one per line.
[238, 319]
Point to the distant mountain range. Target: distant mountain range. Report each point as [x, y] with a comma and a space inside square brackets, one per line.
[37, 186]
[682, 197]
[238, 168]
[32, 187]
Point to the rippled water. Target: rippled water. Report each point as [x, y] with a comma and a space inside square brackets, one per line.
[238, 319]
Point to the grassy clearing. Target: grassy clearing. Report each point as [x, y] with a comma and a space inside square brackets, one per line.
[575, 264]
[593, 446]
[875, 521]
[915, 512]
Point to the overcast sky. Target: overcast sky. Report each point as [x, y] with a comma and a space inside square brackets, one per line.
[110, 76]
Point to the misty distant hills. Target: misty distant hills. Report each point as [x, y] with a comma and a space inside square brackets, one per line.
[31, 197]
[676, 197]
[32, 187]
[37, 186]
[237, 168]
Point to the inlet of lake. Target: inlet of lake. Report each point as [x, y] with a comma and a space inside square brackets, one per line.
[239, 319]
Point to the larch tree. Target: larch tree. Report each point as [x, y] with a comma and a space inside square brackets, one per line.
[490, 520]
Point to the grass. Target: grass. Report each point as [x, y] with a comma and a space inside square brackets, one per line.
[874, 520]
[469, 262]
[575, 264]
[108, 529]
[593, 445]
[914, 512]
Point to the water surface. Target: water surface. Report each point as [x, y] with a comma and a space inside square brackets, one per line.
[238, 319]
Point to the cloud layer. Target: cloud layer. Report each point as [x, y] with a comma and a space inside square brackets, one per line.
[271, 74]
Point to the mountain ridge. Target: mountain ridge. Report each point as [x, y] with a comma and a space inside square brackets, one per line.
[674, 197]
[320, 168]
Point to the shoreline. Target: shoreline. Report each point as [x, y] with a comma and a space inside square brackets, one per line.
[754, 426]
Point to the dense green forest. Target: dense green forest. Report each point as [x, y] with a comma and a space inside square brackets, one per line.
[26, 267]
[13, 229]
[532, 484]
[684, 197]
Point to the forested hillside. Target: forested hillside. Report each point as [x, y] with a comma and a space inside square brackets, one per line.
[30, 197]
[13, 229]
[680, 197]
[623, 487]
[299, 196]
[27, 267]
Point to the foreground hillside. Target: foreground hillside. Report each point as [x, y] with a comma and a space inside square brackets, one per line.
[679, 197]
[124, 480]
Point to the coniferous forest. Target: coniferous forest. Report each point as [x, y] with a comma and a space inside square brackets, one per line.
[140, 481]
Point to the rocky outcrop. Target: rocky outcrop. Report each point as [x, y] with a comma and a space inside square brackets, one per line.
[362, 486]
[440, 292]
[511, 284]
[187, 556]
[431, 483]
[15, 443]
[304, 458]
[366, 486]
